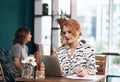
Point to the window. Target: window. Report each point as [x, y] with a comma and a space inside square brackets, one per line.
[64, 5]
[93, 17]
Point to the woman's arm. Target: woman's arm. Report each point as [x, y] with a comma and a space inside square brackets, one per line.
[91, 64]
[17, 63]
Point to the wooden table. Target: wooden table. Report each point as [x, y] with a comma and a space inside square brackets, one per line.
[99, 78]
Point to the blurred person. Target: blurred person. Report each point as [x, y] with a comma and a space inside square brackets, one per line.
[20, 50]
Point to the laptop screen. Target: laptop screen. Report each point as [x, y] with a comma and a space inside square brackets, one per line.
[52, 66]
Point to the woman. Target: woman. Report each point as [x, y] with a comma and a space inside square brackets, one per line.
[19, 49]
[74, 56]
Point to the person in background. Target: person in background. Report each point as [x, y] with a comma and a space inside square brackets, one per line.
[19, 49]
[74, 56]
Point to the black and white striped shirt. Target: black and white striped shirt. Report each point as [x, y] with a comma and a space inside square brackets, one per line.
[84, 57]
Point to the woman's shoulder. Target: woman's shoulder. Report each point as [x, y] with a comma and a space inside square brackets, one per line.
[86, 46]
[62, 48]
[17, 46]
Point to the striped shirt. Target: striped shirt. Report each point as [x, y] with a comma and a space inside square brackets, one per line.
[83, 58]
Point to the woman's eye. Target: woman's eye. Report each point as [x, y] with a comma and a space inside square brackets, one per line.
[64, 33]
[69, 31]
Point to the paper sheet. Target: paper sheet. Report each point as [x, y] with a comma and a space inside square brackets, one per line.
[87, 77]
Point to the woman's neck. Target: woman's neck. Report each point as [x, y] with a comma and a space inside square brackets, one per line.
[74, 44]
[73, 47]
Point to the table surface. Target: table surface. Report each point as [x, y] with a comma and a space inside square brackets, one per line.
[61, 79]
[109, 53]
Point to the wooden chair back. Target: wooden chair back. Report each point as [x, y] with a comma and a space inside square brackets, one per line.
[101, 64]
[2, 78]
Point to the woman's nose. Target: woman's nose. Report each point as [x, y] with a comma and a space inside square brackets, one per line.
[30, 35]
[66, 34]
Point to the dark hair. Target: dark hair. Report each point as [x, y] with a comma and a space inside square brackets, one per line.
[20, 35]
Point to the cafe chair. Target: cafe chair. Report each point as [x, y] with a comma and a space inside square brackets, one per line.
[2, 78]
[100, 64]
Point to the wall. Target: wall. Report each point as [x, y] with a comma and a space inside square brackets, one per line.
[15, 14]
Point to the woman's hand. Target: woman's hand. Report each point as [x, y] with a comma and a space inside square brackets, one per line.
[81, 72]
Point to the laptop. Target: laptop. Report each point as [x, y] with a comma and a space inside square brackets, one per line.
[52, 66]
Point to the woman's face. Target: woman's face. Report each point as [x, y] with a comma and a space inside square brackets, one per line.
[68, 36]
[28, 38]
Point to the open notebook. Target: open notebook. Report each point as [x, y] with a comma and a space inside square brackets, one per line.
[52, 67]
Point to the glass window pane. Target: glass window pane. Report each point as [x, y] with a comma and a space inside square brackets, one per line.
[93, 17]
[116, 25]
[64, 5]
[114, 65]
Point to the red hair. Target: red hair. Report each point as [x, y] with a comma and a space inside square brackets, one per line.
[73, 25]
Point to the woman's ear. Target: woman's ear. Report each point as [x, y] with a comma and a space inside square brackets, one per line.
[79, 33]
